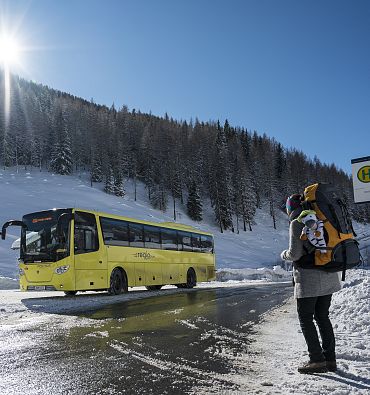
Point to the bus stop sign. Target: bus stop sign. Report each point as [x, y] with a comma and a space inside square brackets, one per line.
[361, 179]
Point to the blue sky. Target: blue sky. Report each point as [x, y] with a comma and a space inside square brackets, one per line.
[298, 71]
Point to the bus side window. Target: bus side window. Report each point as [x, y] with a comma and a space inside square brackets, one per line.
[152, 237]
[185, 241]
[136, 235]
[115, 232]
[86, 233]
[207, 243]
[169, 239]
[195, 242]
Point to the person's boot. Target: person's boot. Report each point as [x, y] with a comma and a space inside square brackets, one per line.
[313, 367]
[331, 366]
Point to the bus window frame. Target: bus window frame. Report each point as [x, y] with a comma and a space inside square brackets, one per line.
[158, 229]
[199, 249]
[76, 250]
[188, 234]
[113, 240]
[176, 238]
[133, 224]
[213, 244]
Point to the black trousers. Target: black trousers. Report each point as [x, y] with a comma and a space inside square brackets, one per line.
[318, 308]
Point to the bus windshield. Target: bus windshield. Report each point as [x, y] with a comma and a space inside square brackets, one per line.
[40, 240]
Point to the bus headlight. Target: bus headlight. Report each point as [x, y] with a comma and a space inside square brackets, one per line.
[61, 269]
[21, 272]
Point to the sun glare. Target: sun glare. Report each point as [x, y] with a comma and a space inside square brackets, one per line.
[9, 50]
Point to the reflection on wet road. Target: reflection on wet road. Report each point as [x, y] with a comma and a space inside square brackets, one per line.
[189, 342]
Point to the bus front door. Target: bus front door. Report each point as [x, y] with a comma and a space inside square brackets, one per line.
[90, 260]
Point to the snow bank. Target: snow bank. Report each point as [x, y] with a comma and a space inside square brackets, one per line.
[277, 273]
[8, 283]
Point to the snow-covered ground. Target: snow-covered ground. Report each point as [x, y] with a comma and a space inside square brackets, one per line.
[278, 346]
[241, 258]
[281, 347]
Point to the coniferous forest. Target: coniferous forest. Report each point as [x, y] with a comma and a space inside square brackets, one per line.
[194, 164]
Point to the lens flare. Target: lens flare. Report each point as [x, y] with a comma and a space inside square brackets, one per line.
[9, 50]
[9, 56]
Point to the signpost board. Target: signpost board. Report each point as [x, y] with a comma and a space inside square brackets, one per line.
[361, 179]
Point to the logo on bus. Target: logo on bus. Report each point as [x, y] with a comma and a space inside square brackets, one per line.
[145, 255]
[364, 174]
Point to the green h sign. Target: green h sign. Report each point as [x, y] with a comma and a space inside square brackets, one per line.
[364, 174]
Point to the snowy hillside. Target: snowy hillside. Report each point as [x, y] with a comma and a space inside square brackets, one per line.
[32, 190]
[29, 191]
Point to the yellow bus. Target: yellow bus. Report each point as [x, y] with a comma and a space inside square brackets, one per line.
[75, 250]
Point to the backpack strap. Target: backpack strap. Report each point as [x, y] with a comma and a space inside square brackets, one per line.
[307, 204]
[345, 262]
[337, 223]
[347, 217]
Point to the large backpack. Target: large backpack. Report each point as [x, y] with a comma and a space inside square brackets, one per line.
[342, 250]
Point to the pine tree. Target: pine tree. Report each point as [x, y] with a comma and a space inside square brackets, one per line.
[61, 161]
[221, 184]
[249, 199]
[118, 188]
[8, 150]
[36, 152]
[158, 197]
[174, 184]
[227, 130]
[194, 204]
[109, 182]
[97, 170]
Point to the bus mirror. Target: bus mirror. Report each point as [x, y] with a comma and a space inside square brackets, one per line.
[11, 223]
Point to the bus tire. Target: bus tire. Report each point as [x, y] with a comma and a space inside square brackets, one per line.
[70, 293]
[153, 287]
[118, 282]
[191, 279]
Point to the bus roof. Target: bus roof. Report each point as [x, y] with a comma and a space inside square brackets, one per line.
[172, 225]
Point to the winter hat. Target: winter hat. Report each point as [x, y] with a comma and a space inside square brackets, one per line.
[293, 202]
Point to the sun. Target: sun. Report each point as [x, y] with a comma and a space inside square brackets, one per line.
[9, 50]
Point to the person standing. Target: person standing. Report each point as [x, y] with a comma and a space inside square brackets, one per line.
[313, 289]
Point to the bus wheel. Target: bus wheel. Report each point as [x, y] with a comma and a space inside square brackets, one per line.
[118, 283]
[70, 293]
[191, 279]
[153, 287]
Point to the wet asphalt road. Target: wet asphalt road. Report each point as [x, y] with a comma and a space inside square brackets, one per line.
[187, 342]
